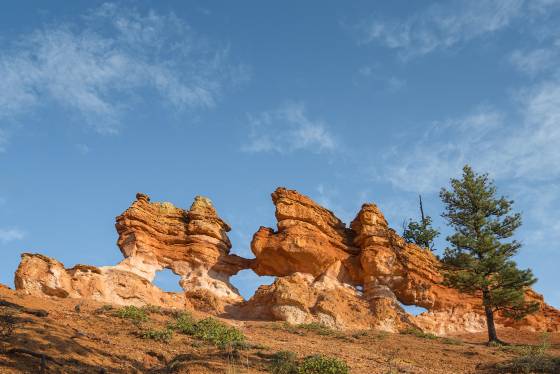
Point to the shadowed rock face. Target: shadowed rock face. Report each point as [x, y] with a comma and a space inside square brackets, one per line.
[344, 277]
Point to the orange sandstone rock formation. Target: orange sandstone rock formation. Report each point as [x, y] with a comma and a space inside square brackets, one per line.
[193, 244]
[152, 236]
[344, 277]
[43, 276]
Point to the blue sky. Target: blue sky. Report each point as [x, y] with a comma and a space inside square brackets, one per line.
[346, 102]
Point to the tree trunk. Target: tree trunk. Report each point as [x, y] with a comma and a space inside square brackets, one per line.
[492, 335]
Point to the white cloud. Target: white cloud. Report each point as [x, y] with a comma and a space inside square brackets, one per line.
[523, 147]
[442, 25]
[11, 234]
[535, 61]
[286, 130]
[443, 149]
[98, 67]
[521, 152]
[544, 229]
[520, 147]
[390, 83]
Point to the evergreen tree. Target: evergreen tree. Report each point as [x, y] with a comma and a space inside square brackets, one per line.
[420, 232]
[479, 259]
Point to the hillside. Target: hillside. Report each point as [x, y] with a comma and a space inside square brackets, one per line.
[338, 293]
[80, 336]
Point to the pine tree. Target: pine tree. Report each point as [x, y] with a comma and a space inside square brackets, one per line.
[479, 259]
[420, 233]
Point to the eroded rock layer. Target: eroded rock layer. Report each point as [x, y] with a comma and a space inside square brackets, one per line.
[193, 244]
[41, 275]
[344, 277]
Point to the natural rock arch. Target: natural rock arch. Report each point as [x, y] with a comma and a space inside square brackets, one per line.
[345, 277]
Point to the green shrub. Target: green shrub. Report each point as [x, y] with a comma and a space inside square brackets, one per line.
[133, 313]
[164, 335]
[530, 364]
[217, 333]
[284, 362]
[184, 323]
[316, 327]
[209, 330]
[418, 333]
[532, 359]
[319, 364]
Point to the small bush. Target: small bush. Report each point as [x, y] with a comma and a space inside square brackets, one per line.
[217, 333]
[184, 323]
[316, 327]
[284, 326]
[209, 330]
[319, 364]
[532, 359]
[284, 362]
[164, 335]
[133, 313]
[418, 333]
[530, 364]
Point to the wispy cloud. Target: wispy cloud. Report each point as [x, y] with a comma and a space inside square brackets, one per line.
[426, 164]
[83, 148]
[10, 234]
[445, 25]
[390, 83]
[98, 66]
[288, 129]
[520, 151]
[523, 146]
[535, 61]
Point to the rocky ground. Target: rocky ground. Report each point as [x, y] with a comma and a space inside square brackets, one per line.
[78, 336]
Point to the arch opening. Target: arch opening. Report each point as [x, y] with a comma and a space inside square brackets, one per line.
[247, 282]
[167, 280]
[413, 309]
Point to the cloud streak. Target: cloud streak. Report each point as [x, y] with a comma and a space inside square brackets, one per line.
[100, 65]
[288, 129]
[521, 147]
[10, 234]
[445, 25]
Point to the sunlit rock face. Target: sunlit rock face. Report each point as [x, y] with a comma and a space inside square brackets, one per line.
[309, 239]
[192, 243]
[152, 236]
[346, 277]
[43, 276]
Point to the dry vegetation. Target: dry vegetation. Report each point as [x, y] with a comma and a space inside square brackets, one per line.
[71, 336]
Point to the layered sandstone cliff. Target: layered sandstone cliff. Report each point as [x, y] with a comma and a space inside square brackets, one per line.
[344, 277]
